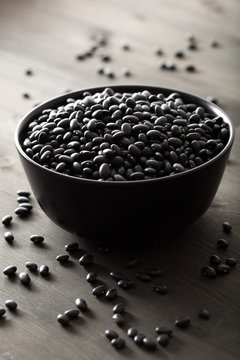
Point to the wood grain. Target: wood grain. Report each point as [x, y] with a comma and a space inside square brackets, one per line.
[46, 36]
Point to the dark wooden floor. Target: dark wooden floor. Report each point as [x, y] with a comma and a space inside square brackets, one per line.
[46, 36]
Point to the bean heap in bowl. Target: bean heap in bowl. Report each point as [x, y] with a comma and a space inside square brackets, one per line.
[113, 136]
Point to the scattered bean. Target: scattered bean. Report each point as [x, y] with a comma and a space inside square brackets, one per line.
[222, 244]
[72, 313]
[74, 246]
[125, 283]
[10, 270]
[118, 319]
[86, 259]
[24, 278]
[227, 227]
[183, 322]
[222, 269]
[231, 262]
[2, 312]
[31, 266]
[149, 343]
[215, 260]
[119, 308]
[163, 339]
[37, 239]
[160, 288]
[91, 277]
[62, 258]
[63, 319]
[111, 334]
[138, 339]
[204, 314]
[8, 236]
[132, 332]
[163, 330]
[6, 220]
[11, 305]
[118, 343]
[209, 272]
[81, 304]
[99, 291]
[44, 270]
[111, 294]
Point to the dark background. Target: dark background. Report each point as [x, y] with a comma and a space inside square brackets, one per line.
[46, 36]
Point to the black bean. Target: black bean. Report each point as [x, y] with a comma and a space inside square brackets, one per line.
[214, 43]
[132, 332]
[21, 211]
[227, 227]
[23, 193]
[132, 262]
[209, 272]
[22, 199]
[118, 343]
[118, 319]
[11, 305]
[71, 247]
[104, 171]
[125, 283]
[179, 54]
[63, 319]
[137, 175]
[24, 278]
[222, 244]
[27, 205]
[6, 220]
[231, 262]
[178, 168]
[154, 272]
[37, 239]
[160, 288]
[111, 334]
[163, 339]
[10, 270]
[117, 275]
[163, 330]
[190, 68]
[204, 314]
[138, 339]
[2, 312]
[72, 313]
[86, 259]
[62, 258]
[111, 294]
[44, 270]
[119, 308]
[100, 290]
[31, 266]
[215, 260]
[8, 236]
[81, 304]
[143, 276]
[222, 269]
[149, 343]
[91, 277]
[183, 322]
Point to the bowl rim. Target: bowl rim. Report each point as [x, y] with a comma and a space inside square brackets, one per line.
[60, 99]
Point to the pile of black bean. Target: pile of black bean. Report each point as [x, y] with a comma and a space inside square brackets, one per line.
[116, 136]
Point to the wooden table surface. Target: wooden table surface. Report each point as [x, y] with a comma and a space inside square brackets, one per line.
[46, 36]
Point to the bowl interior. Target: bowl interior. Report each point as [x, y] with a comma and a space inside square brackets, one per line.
[53, 103]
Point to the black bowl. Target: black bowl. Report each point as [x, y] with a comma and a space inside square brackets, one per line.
[116, 209]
